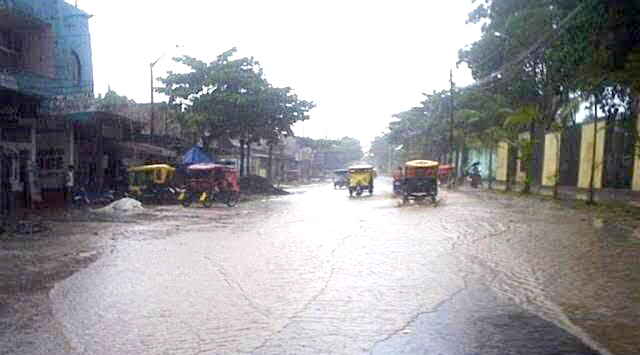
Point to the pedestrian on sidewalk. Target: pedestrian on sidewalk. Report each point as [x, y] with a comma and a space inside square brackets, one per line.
[68, 185]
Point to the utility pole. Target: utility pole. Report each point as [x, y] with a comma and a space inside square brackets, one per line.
[451, 118]
[151, 123]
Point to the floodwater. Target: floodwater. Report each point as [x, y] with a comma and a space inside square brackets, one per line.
[319, 272]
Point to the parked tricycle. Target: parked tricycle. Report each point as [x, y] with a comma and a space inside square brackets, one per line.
[152, 183]
[209, 183]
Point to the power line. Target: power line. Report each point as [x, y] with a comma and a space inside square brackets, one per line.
[547, 39]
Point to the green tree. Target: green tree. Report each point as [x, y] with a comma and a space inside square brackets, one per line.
[231, 98]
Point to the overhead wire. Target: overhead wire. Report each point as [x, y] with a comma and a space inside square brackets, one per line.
[547, 39]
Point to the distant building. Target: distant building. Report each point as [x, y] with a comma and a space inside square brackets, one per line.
[289, 161]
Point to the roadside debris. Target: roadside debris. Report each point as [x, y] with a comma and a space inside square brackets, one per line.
[123, 205]
[254, 184]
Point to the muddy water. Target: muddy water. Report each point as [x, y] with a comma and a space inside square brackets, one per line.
[318, 272]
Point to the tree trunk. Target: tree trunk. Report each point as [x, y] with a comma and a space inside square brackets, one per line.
[490, 166]
[242, 157]
[248, 158]
[206, 143]
[269, 163]
[529, 168]
[593, 150]
[457, 162]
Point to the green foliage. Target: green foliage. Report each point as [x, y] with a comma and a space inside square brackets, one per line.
[111, 101]
[334, 154]
[536, 62]
[231, 98]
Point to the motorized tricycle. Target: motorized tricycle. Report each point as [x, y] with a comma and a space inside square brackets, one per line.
[420, 180]
[152, 183]
[340, 178]
[209, 183]
[360, 179]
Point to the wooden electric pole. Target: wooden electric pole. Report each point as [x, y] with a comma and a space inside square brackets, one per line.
[451, 118]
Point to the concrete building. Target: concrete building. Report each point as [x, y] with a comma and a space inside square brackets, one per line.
[45, 73]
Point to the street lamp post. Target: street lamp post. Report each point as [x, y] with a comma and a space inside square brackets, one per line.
[152, 119]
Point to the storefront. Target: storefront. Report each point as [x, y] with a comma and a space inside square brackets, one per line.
[55, 147]
[18, 119]
[141, 153]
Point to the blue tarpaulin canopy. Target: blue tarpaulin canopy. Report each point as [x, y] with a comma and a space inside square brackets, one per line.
[195, 155]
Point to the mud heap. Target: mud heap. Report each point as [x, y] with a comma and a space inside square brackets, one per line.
[254, 184]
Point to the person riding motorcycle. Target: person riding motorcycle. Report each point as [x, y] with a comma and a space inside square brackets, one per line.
[397, 180]
[474, 174]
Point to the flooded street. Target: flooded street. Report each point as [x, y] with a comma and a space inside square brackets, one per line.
[319, 272]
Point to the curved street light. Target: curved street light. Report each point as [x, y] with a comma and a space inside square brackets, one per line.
[152, 118]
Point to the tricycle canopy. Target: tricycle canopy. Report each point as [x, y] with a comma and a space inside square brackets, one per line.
[421, 164]
[360, 167]
[156, 173]
[208, 167]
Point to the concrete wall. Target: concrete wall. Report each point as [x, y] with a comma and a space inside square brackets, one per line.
[586, 155]
[502, 161]
[550, 162]
[635, 183]
[552, 145]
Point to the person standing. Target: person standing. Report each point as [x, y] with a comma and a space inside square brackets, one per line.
[68, 185]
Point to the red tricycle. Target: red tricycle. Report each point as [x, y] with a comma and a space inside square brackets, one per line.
[208, 183]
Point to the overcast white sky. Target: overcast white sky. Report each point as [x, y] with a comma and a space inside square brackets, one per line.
[359, 61]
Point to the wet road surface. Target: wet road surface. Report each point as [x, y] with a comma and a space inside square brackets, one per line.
[318, 272]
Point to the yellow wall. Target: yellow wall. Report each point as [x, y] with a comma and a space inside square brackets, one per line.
[521, 175]
[635, 183]
[586, 153]
[502, 161]
[550, 165]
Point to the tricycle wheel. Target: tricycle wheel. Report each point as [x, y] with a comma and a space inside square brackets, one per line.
[208, 202]
[188, 198]
[232, 198]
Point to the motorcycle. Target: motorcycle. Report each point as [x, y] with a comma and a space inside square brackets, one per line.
[397, 187]
[82, 198]
[474, 176]
[475, 180]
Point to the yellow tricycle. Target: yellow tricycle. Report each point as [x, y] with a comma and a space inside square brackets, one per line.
[360, 178]
[152, 183]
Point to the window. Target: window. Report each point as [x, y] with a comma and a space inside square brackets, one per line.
[74, 68]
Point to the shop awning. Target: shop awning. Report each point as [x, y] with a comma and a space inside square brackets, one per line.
[133, 149]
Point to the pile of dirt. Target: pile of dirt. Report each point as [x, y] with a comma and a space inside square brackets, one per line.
[254, 184]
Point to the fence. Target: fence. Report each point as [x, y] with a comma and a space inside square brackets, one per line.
[565, 161]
